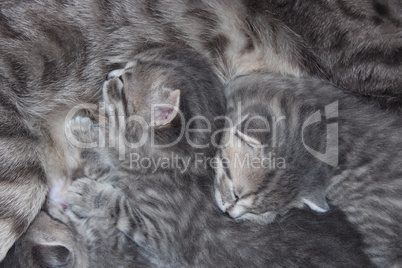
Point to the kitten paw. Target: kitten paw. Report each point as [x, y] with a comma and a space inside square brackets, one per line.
[87, 198]
[264, 218]
[56, 211]
[81, 130]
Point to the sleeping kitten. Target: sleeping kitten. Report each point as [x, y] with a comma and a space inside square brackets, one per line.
[158, 94]
[172, 218]
[359, 42]
[280, 153]
[168, 213]
[165, 102]
[54, 55]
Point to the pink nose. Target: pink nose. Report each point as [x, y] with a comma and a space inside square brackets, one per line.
[230, 211]
[229, 208]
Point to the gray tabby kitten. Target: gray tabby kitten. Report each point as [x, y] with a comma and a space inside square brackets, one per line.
[166, 101]
[56, 239]
[359, 42]
[55, 54]
[280, 153]
[156, 96]
[171, 216]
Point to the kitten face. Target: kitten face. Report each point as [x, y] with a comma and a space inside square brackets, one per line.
[249, 186]
[239, 176]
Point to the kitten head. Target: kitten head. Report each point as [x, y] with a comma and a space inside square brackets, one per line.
[48, 242]
[262, 168]
[161, 94]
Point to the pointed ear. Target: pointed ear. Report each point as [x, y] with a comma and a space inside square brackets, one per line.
[164, 113]
[316, 201]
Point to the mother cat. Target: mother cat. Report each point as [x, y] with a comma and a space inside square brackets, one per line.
[359, 42]
[54, 55]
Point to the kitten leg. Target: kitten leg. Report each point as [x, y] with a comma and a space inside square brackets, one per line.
[95, 210]
[112, 91]
[88, 198]
[264, 218]
[96, 202]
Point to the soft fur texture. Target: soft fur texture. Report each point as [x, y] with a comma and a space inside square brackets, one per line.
[359, 42]
[117, 215]
[301, 142]
[54, 55]
[171, 216]
[165, 103]
[55, 240]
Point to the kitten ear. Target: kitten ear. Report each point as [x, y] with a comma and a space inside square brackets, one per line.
[316, 202]
[163, 114]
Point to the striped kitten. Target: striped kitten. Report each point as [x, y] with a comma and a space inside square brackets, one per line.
[165, 101]
[172, 218]
[54, 56]
[281, 152]
[158, 112]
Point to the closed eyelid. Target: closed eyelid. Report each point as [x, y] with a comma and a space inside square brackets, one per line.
[129, 69]
[245, 196]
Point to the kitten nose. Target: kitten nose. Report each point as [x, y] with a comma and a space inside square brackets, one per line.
[228, 210]
[235, 212]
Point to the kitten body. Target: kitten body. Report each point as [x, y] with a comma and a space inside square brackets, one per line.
[166, 102]
[331, 146]
[170, 214]
[172, 218]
